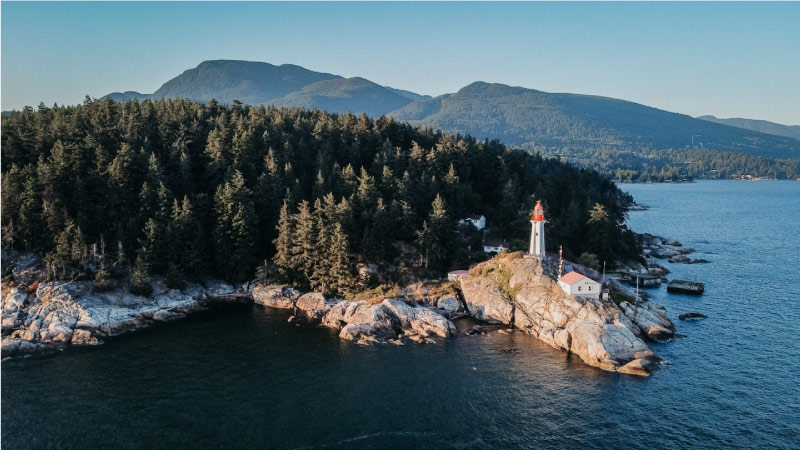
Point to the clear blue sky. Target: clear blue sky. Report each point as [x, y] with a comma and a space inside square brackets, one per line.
[727, 59]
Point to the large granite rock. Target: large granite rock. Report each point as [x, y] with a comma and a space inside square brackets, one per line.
[314, 305]
[371, 323]
[419, 319]
[484, 300]
[389, 320]
[449, 303]
[275, 296]
[651, 319]
[597, 331]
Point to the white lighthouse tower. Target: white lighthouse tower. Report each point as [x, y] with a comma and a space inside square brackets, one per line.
[537, 231]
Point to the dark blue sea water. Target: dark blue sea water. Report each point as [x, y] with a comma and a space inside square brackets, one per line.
[242, 377]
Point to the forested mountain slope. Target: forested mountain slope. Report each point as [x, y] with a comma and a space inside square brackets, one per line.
[184, 188]
[517, 116]
[529, 118]
[762, 126]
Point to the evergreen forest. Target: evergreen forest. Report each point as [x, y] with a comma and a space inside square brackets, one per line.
[119, 191]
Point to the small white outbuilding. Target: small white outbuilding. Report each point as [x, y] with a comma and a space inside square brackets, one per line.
[477, 221]
[579, 285]
[494, 247]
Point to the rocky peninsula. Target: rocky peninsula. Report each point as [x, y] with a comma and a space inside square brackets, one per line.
[509, 290]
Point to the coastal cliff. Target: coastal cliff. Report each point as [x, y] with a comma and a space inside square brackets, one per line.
[513, 290]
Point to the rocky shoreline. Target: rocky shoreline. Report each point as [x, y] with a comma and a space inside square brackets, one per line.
[510, 291]
[513, 290]
[59, 314]
[669, 249]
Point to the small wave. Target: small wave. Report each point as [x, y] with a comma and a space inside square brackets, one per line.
[364, 437]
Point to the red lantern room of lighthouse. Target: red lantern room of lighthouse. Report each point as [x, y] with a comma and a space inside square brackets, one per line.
[537, 231]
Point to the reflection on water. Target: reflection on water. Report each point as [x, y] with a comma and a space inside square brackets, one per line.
[242, 377]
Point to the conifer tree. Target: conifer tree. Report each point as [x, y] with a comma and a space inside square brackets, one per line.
[321, 278]
[234, 231]
[284, 242]
[102, 279]
[305, 247]
[435, 237]
[140, 283]
[340, 263]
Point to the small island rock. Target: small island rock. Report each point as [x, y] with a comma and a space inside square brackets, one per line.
[692, 316]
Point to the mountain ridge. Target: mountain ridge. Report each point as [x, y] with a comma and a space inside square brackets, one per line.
[762, 126]
[519, 116]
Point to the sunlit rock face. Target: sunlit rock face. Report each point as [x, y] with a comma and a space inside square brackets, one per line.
[514, 290]
[63, 313]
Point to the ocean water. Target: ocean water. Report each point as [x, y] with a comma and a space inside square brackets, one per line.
[242, 377]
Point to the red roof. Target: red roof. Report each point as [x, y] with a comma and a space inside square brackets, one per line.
[571, 278]
[538, 212]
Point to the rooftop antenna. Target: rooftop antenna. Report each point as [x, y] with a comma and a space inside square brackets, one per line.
[603, 280]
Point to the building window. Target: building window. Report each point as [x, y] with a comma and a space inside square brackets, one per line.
[579, 288]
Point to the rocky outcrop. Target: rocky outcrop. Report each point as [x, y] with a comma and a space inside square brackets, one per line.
[651, 319]
[692, 316]
[390, 320]
[449, 303]
[669, 249]
[419, 319]
[58, 314]
[315, 305]
[433, 294]
[600, 333]
[485, 301]
[275, 296]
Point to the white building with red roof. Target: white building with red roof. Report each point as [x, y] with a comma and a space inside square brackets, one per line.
[579, 285]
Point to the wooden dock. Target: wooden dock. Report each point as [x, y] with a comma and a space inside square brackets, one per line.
[686, 287]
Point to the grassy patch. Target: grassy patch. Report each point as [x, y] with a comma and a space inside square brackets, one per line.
[444, 289]
[377, 294]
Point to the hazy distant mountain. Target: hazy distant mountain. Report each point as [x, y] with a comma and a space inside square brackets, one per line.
[351, 94]
[128, 95]
[258, 83]
[518, 116]
[249, 82]
[762, 126]
[528, 118]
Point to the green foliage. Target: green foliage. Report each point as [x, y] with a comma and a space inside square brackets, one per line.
[378, 292]
[589, 260]
[539, 120]
[435, 238]
[140, 284]
[648, 165]
[102, 279]
[187, 189]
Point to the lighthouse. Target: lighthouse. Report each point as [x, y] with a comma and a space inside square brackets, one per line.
[537, 231]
